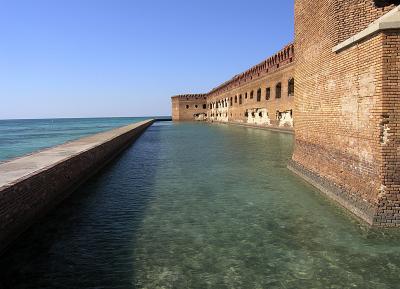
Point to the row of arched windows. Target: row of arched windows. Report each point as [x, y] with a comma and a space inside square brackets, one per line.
[278, 92]
[239, 98]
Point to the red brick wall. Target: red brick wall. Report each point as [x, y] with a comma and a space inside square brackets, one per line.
[185, 107]
[352, 16]
[389, 199]
[278, 68]
[340, 100]
[236, 112]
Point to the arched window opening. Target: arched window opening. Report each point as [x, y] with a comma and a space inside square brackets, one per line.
[259, 94]
[231, 101]
[291, 87]
[278, 90]
[196, 106]
[187, 106]
[260, 114]
[267, 93]
[253, 114]
[251, 94]
[235, 98]
[246, 114]
[240, 99]
[245, 95]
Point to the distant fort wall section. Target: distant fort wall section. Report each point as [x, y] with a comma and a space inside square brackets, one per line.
[262, 95]
[189, 107]
[338, 86]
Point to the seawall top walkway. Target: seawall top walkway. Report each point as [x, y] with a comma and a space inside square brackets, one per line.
[18, 169]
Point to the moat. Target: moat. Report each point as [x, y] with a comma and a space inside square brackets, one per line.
[197, 205]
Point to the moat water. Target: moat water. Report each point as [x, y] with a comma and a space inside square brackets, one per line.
[201, 206]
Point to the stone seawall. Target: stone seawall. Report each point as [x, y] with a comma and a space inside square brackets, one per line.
[33, 184]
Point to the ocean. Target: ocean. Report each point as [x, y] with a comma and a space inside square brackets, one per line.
[19, 137]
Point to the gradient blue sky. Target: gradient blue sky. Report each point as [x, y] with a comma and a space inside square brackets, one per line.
[87, 58]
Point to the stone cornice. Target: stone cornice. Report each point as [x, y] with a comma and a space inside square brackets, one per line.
[390, 20]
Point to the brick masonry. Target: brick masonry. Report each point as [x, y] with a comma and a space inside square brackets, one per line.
[33, 184]
[345, 110]
[244, 98]
[346, 107]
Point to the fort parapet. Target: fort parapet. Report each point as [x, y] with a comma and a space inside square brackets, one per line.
[262, 95]
[339, 88]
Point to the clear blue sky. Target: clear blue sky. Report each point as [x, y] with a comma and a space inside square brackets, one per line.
[86, 58]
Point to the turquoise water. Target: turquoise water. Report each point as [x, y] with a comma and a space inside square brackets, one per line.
[19, 137]
[202, 206]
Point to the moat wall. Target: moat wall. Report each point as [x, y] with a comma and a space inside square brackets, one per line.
[33, 184]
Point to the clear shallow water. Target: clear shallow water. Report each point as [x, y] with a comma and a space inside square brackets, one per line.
[201, 206]
[19, 137]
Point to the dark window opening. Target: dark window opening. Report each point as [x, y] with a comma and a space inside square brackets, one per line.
[260, 114]
[291, 87]
[240, 99]
[267, 93]
[246, 114]
[195, 106]
[245, 96]
[235, 98]
[259, 94]
[231, 101]
[278, 90]
[204, 106]
[253, 114]
[251, 94]
[187, 106]
[383, 3]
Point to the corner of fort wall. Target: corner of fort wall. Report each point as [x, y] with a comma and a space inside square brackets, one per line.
[345, 109]
[346, 112]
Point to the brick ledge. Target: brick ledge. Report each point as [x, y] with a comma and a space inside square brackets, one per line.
[390, 20]
[358, 207]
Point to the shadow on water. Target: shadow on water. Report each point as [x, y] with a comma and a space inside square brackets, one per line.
[88, 240]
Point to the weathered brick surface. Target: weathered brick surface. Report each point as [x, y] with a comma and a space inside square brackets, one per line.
[187, 106]
[352, 16]
[345, 105]
[243, 99]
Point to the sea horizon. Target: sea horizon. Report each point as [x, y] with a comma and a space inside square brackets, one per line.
[19, 137]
